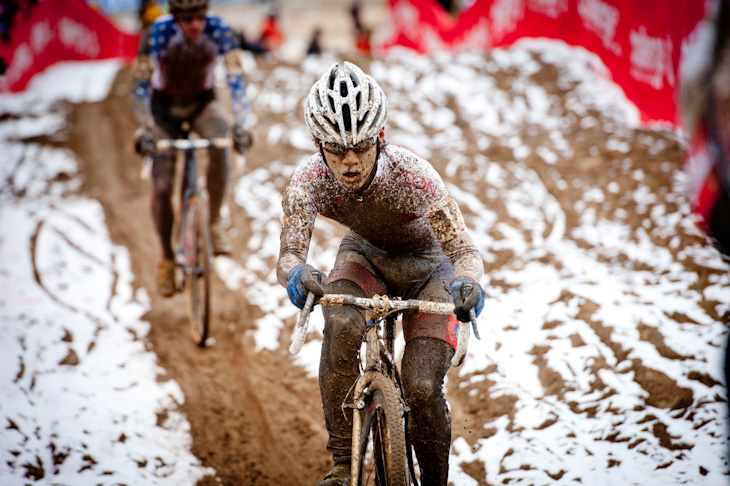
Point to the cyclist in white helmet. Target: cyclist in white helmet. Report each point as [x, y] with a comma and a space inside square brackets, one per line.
[406, 238]
[173, 84]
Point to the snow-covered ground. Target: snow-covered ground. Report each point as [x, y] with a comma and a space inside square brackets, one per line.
[82, 401]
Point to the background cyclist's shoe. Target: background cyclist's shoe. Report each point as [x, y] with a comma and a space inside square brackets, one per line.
[221, 241]
[166, 278]
[339, 475]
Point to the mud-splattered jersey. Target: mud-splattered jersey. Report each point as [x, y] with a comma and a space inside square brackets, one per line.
[170, 62]
[405, 208]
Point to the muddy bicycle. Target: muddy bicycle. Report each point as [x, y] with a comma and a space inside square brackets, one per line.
[382, 454]
[191, 236]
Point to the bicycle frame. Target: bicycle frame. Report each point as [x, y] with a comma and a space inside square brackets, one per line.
[373, 366]
[189, 175]
[191, 233]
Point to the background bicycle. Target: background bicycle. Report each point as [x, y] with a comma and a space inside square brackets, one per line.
[191, 235]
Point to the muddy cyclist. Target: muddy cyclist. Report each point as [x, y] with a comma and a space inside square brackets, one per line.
[406, 238]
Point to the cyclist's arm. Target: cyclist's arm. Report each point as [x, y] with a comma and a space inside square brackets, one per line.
[230, 49]
[142, 69]
[448, 225]
[296, 232]
[240, 104]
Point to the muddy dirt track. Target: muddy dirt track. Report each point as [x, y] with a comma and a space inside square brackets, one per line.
[256, 417]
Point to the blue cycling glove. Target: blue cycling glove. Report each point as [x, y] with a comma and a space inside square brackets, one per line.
[302, 280]
[467, 295]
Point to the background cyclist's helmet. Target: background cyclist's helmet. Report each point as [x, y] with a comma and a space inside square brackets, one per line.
[177, 5]
[346, 106]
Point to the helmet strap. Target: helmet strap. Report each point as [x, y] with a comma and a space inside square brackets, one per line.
[375, 169]
[321, 152]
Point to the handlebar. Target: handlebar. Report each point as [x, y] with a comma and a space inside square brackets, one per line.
[184, 144]
[383, 306]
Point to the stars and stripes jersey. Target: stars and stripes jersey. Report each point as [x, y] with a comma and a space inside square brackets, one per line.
[405, 208]
[170, 62]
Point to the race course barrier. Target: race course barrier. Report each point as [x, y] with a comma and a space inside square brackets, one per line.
[60, 30]
[640, 42]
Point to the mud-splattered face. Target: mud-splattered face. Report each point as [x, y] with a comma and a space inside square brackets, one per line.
[192, 22]
[355, 169]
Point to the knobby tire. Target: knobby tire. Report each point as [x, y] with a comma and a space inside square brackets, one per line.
[384, 462]
[198, 258]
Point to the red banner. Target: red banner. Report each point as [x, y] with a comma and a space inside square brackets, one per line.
[639, 41]
[60, 30]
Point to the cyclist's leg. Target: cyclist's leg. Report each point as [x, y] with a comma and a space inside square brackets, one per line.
[425, 363]
[163, 170]
[338, 367]
[166, 125]
[430, 343]
[344, 326]
[213, 122]
[163, 174]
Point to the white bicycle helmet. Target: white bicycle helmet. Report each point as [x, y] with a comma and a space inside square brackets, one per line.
[346, 106]
[176, 5]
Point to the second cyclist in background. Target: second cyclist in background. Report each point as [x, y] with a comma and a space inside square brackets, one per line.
[173, 78]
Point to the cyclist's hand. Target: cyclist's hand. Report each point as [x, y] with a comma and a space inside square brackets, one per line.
[303, 279]
[242, 139]
[144, 142]
[467, 295]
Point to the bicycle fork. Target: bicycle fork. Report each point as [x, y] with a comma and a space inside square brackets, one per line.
[359, 398]
[372, 369]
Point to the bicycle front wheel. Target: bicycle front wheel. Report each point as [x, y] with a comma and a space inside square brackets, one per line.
[198, 258]
[382, 446]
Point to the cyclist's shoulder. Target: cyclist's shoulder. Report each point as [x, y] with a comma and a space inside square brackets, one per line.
[163, 24]
[217, 29]
[401, 156]
[405, 164]
[158, 35]
[214, 21]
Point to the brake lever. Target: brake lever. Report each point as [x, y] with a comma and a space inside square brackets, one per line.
[466, 290]
[300, 333]
[473, 319]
